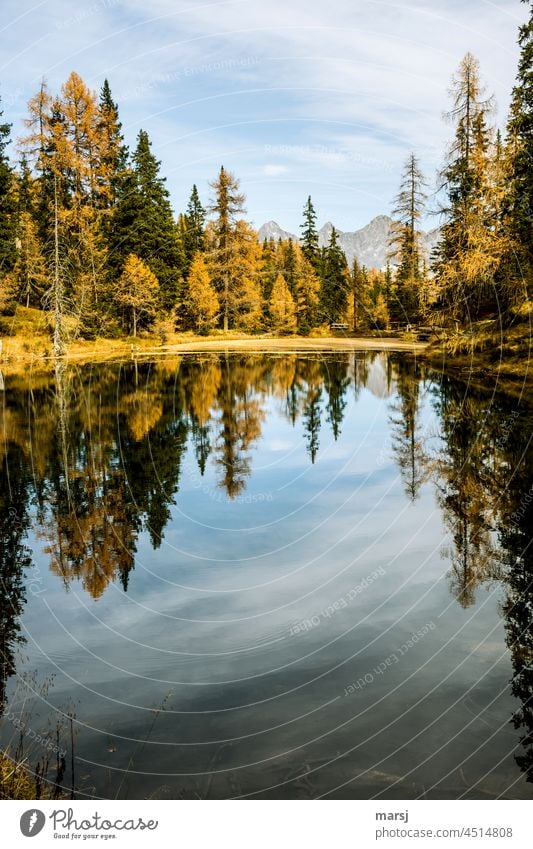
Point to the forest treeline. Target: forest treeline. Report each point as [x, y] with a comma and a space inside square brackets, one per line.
[88, 234]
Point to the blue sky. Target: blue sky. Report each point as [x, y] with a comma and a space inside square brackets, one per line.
[295, 97]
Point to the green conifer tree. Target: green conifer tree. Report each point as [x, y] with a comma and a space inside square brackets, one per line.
[8, 205]
[334, 283]
[519, 200]
[193, 237]
[143, 223]
[405, 242]
[113, 153]
[309, 238]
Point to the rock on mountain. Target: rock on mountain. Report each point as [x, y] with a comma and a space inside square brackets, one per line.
[272, 230]
[370, 244]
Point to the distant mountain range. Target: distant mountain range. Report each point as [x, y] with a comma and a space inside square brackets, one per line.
[370, 244]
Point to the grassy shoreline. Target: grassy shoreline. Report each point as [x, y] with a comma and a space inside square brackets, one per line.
[15, 358]
[480, 352]
[27, 342]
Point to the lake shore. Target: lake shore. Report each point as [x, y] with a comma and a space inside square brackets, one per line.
[291, 343]
[20, 352]
[474, 354]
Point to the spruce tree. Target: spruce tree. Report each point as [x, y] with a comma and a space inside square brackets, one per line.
[8, 211]
[113, 153]
[39, 147]
[334, 283]
[405, 241]
[309, 240]
[519, 201]
[289, 265]
[269, 267]
[30, 270]
[307, 294]
[143, 223]
[358, 285]
[193, 237]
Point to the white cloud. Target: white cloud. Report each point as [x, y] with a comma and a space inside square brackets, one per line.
[275, 170]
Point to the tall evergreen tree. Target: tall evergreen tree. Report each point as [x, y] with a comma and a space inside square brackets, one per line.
[309, 238]
[193, 236]
[113, 153]
[38, 146]
[405, 241]
[358, 286]
[143, 223]
[519, 201]
[290, 265]
[307, 294]
[8, 210]
[334, 284]
[269, 267]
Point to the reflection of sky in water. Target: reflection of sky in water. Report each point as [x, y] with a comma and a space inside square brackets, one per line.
[206, 630]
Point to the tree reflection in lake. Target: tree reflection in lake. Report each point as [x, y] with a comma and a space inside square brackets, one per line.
[93, 462]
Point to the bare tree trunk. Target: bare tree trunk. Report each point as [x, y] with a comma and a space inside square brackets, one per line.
[226, 291]
[59, 346]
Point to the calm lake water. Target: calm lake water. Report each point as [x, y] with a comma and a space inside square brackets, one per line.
[290, 576]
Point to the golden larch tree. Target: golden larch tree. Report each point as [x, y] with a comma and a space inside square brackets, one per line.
[201, 300]
[282, 307]
[137, 292]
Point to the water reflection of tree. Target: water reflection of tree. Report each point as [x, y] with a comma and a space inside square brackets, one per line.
[336, 383]
[112, 469]
[486, 465]
[408, 444]
[515, 523]
[241, 416]
[15, 556]
[151, 456]
[312, 406]
[83, 513]
[463, 469]
[201, 381]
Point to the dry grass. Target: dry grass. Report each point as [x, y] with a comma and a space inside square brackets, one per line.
[489, 354]
[15, 781]
[495, 348]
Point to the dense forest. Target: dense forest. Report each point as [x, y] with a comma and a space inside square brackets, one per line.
[88, 234]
